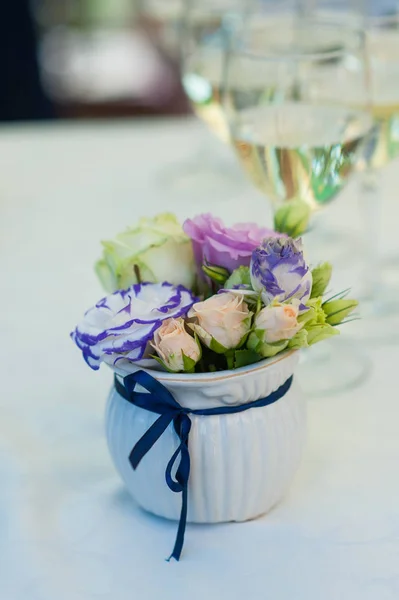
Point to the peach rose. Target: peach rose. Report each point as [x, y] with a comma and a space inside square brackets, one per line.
[171, 340]
[224, 317]
[279, 321]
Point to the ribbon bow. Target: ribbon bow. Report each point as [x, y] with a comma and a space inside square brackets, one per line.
[160, 401]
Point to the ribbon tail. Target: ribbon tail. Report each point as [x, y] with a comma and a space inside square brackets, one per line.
[178, 547]
[147, 441]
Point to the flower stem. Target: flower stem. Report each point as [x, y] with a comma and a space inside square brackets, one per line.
[136, 270]
[230, 359]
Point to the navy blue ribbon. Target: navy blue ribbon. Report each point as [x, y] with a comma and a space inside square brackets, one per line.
[160, 401]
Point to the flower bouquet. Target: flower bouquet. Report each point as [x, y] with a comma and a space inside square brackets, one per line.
[202, 326]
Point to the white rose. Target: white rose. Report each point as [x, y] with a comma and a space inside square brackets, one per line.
[279, 321]
[224, 317]
[157, 250]
[171, 340]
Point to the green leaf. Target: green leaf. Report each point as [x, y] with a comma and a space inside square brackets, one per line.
[160, 361]
[189, 364]
[258, 305]
[256, 339]
[242, 358]
[318, 333]
[292, 218]
[340, 295]
[198, 344]
[321, 278]
[216, 347]
[240, 276]
[203, 335]
[253, 341]
[260, 334]
[230, 359]
[337, 310]
[248, 323]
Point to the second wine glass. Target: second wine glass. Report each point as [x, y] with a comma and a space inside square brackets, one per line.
[295, 140]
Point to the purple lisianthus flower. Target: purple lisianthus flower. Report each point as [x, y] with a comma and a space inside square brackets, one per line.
[279, 271]
[120, 326]
[228, 247]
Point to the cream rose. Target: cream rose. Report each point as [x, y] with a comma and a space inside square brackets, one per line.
[171, 341]
[279, 321]
[224, 318]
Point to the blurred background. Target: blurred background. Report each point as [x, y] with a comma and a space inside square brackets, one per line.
[89, 59]
[83, 59]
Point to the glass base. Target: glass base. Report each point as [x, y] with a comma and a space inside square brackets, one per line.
[378, 306]
[331, 367]
[390, 276]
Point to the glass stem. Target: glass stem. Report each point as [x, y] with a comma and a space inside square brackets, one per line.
[370, 209]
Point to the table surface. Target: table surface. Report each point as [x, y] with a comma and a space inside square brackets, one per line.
[68, 528]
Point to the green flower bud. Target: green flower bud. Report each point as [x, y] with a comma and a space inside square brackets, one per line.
[270, 350]
[264, 349]
[321, 278]
[337, 310]
[315, 315]
[292, 218]
[318, 333]
[218, 274]
[300, 340]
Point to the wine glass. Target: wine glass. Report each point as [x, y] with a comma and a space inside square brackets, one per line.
[202, 62]
[380, 277]
[171, 24]
[293, 138]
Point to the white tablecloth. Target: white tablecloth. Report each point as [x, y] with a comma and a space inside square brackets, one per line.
[68, 530]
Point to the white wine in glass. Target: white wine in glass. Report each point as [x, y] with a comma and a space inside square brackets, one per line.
[300, 150]
[380, 21]
[383, 49]
[294, 140]
[380, 281]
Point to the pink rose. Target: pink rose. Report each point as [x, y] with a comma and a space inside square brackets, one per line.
[228, 247]
[279, 321]
[171, 340]
[224, 317]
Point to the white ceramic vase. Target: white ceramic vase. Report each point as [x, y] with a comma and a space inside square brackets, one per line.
[241, 463]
